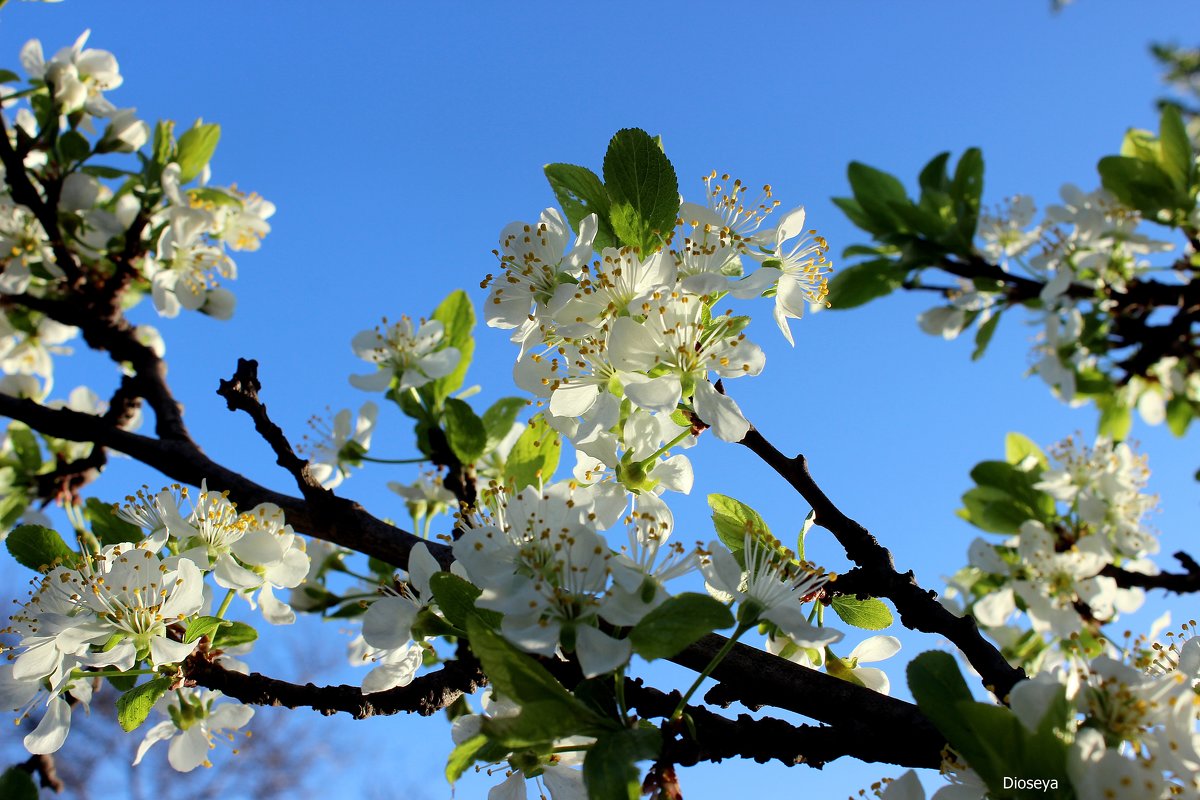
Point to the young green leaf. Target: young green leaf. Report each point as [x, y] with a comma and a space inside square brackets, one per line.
[1018, 447]
[233, 634]
[642, 188]
[580, 192]
[464, 431]
[880, 196]
[107, 526]
[733, 519]
[534, 456]
[457, 316]
[39, 548]
[456, 598]
[678, 622]
[983, 336]
[203, 626]
[134, 706]
[499, 418]
[195, 149]
[870, 614]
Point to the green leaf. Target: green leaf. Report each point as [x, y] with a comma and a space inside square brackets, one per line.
[855, 213]
[16, 783]
[534, 456]
[457, 316]
[108, 173]
[870, 614]
[499, 418]
[966, 191]
[463, 756]
[107, 526]
[216, 197]
[880, 195]
[937, 686]
[1177, 158]
[548, 710]
[678, 622]
[862, 283]
[1179, 414]
[203, 626]
[1116, 420]
[39, 548]
[580, 192]
[642, 188]
[1017, 447]
[464, 431]
[983, 336]
[8, 76]
[195, 149]
[934, 179]
[1139, 184]
[163, 151]
[74, 147]
[25, 445]
[233, 634]
[134, 706]
[456, 598]
[1018, 484]
[809, 520]
[733, 519]
[610, 767]
[993, 510]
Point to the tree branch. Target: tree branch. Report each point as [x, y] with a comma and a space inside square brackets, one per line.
[919, 608]
[1177, 582]
[345, 523]
[717, 737]
[426, 695]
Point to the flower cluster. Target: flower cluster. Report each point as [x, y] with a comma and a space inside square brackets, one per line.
[1086, 509]
[102, 612]
[643, 327]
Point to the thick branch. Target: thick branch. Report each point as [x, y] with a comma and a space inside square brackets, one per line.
[717, 738]
[919, 608]
[427, 694]
[346, 523]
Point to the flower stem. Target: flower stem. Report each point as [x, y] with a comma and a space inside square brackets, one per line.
[110, 673]
[666, 448]
[395, 460]
[225, 604]
[717, 659]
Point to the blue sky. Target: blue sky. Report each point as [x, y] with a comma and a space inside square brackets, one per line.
[397, 140]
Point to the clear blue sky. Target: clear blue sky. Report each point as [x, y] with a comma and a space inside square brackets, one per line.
[397, 139]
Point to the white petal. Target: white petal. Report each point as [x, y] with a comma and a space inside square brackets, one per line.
[874, 679]
[660, 394]
[598, 652]
[51, 732]
[189, 749]
[720, 412]
[876, 648]
[167, 651]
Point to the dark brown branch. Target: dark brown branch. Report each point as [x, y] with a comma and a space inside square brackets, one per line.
[768, 739]
[1177, 582]
[106, 330]
[919, 608]
[427, 694]
[241, 394]
[345, 523]
[43, 767]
